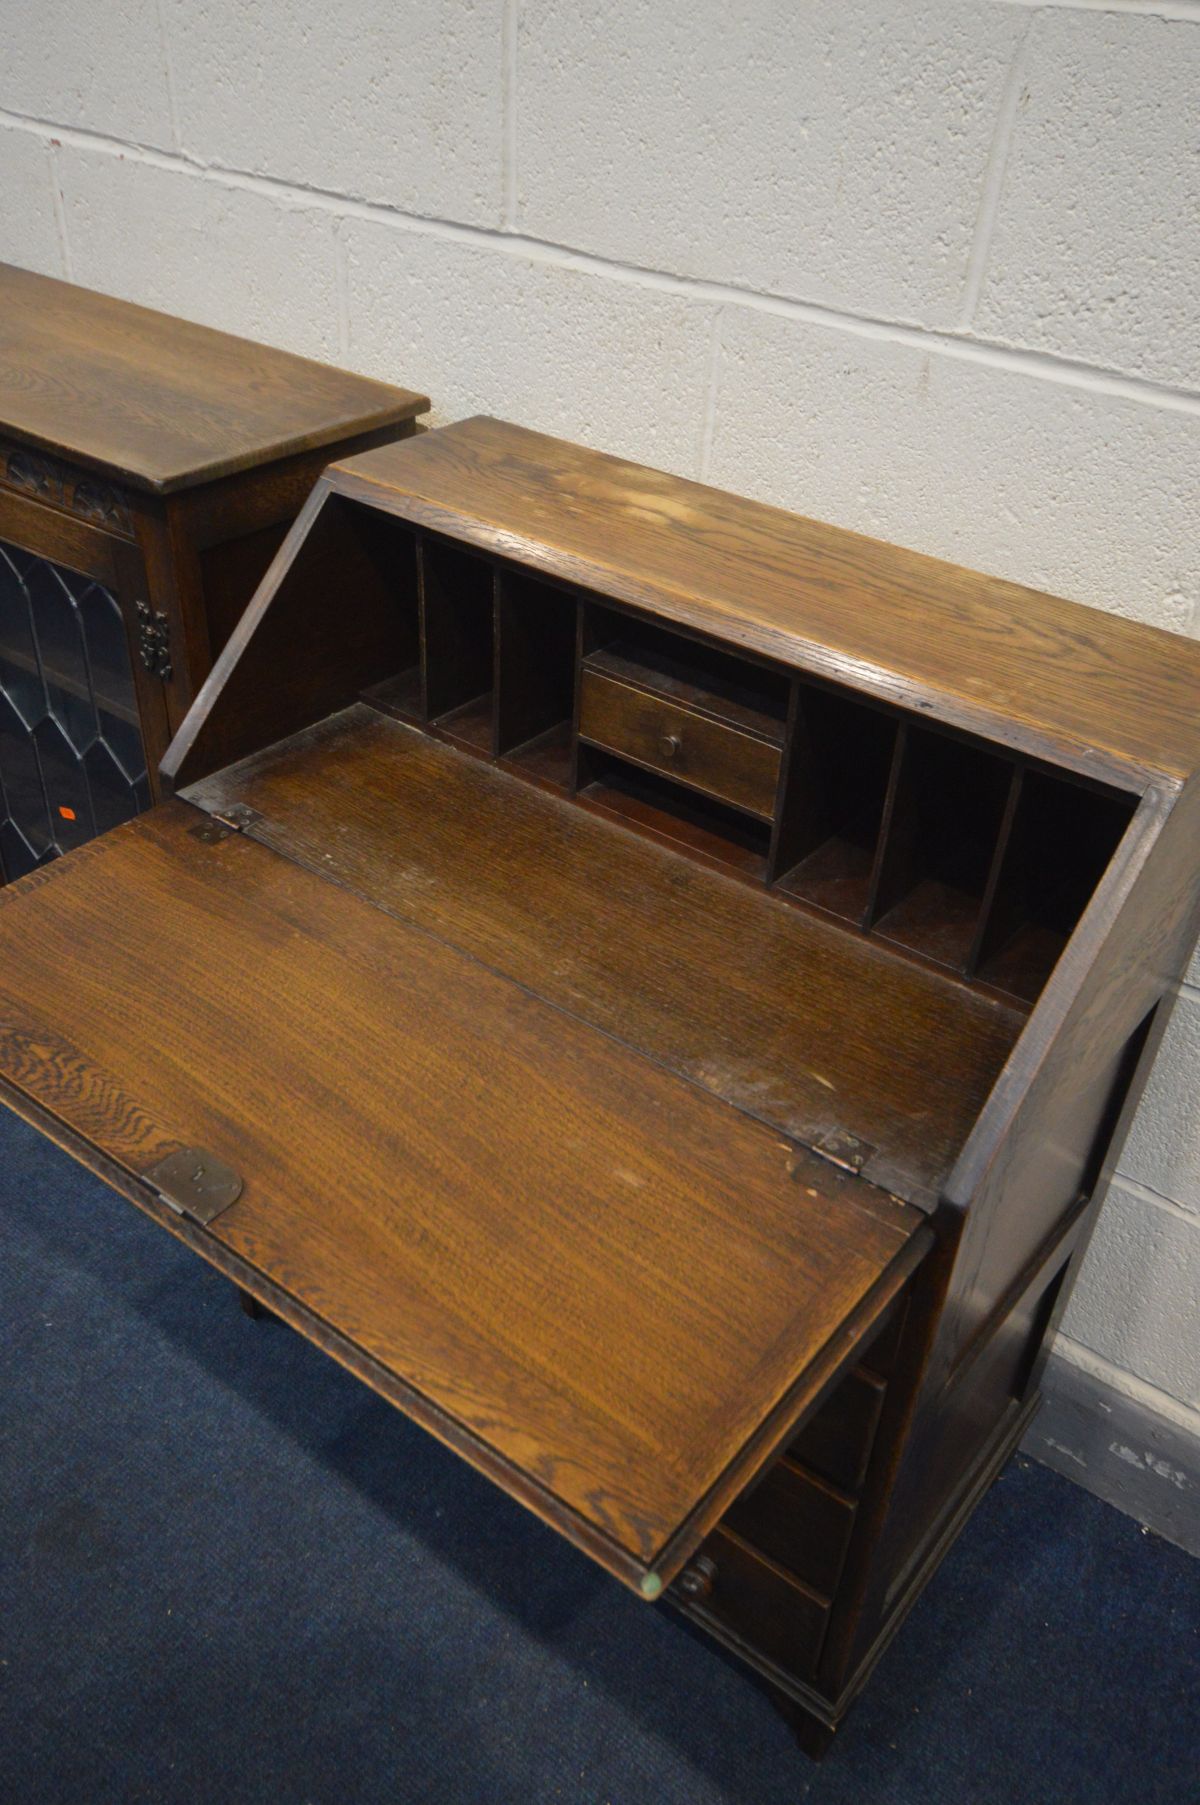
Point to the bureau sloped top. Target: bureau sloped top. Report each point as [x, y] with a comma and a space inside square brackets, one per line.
[161, 403]
[1106, 696]
[605, 1287]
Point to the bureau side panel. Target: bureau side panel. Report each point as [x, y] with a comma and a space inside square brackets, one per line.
[1025, 1193]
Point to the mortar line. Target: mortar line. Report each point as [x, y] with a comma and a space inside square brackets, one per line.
[508, 113]
[60, 211]
[1147, 1194]
[169, 74]
[1186, 10]
[993, 179]
[1044, 365]
[712, 389]
[341, 288]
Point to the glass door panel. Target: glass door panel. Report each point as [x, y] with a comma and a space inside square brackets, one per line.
[72, 756]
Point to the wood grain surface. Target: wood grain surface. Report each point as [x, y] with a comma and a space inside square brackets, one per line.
[784, 1015]
[159, 402]
[602, 1274]
[1104, 695]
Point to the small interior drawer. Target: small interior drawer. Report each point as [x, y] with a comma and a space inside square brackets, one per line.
[723, 759]
[731, 1587]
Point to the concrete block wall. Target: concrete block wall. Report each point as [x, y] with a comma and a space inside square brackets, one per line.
[926, 268]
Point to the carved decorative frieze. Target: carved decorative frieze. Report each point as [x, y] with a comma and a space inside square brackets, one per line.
[62, 486]
[35, 474]
[97, 501]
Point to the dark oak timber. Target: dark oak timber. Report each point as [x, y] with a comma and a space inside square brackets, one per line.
[522, 1256]
[1095, 690]
[811, 1029]
[672, 980]
[161, 404]
[164, 461]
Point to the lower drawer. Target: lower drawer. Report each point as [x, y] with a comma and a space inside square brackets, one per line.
[730, 1587]
[836, 1443]
[799, 1521]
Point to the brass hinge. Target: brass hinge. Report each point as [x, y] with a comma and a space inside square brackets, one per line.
[844, 1149]
[195, 1184]
[154, 641]
[238, 815]
[223, 823]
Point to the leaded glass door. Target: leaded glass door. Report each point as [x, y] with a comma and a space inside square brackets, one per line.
[73, 750]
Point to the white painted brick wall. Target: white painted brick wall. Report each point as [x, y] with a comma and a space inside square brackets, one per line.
[1163, 1149]
[398, 103]
[1101, 198]
[1085, 494]
[258, 264]
[564, 350]
[928, 268]
[103, 68]
[834, 151]
[1142, 1250]
[29, 232]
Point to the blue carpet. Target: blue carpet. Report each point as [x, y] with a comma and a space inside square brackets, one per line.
[227, 1573]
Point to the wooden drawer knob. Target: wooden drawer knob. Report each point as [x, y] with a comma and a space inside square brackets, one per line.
[669, 744]
[696, 1582]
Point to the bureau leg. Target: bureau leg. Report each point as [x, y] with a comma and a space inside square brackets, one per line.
[812, 1736]
[252, 1308]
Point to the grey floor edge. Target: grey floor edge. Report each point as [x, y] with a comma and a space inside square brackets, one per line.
[1120, 1450]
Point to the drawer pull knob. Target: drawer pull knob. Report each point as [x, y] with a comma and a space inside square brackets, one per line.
[696, 1582]
[669, 744]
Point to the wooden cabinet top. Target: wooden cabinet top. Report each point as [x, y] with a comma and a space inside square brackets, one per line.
[160, 403]
[1107, 696]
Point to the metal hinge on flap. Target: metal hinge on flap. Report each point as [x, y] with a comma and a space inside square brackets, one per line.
[844, 1149]
[195, 1184]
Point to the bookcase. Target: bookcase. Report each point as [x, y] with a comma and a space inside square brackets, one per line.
[148, 470]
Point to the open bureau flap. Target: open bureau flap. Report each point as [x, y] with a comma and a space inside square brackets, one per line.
[600, 1283]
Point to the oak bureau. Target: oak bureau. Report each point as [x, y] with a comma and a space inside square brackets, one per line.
[653, 985]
